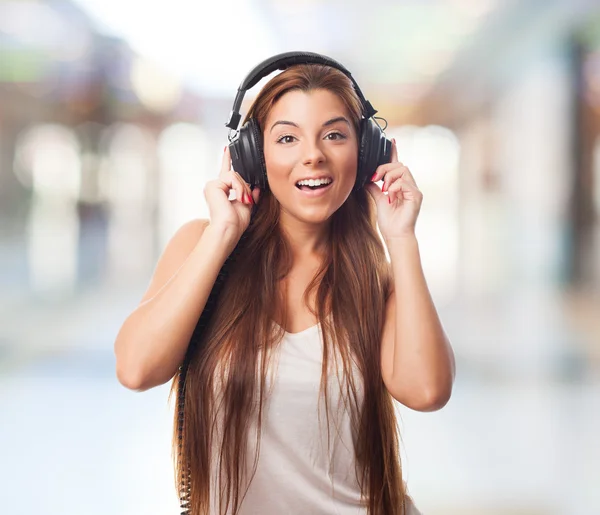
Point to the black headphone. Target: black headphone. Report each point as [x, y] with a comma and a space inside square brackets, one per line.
[246, 145]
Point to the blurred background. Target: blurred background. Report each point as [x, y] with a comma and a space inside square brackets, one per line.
[112, 119]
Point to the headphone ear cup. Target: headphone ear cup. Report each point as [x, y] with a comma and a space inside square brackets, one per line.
[374, 150]
[247, 156]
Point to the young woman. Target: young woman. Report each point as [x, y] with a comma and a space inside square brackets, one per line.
[289, 401]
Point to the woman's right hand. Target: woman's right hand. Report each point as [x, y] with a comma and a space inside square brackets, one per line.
[231, 216]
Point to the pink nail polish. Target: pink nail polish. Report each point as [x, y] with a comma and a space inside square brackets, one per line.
[384, 188]
[374, 175]
[389, 200]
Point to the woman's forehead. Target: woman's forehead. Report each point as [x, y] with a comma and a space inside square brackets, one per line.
[309, 106]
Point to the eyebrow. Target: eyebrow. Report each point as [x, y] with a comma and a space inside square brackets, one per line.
[326, 124]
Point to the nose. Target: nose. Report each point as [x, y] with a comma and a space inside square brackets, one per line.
[313, 154]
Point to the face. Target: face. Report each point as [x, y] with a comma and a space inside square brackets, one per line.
[310, 136]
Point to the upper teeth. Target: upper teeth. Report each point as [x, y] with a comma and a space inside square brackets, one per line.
[313, 182]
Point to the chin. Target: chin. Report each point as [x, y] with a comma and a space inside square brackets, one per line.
[316, 218]
[316, 215]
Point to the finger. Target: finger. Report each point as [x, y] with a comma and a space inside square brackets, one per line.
[389, 179]
[398, 185]
[255, 194]
[383, 169]
[408, 176]
[215, 189]
[393, 190]
[240, 189]
[247, 192]
[401, 189]
[226, 161]
[394, 158]
[401, 172]
[228, 182]
[230, 178]
[397, 192]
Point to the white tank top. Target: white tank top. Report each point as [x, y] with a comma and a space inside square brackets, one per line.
[298, 472]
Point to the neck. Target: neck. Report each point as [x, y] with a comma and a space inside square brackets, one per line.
[305, 239]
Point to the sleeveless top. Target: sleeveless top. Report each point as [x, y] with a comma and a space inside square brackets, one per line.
[302, 467]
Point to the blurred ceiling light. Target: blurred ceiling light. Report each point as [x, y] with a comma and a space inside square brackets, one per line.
[185, 167]
[432, 153]
[48, 161]
[157, 90]
[129, 162]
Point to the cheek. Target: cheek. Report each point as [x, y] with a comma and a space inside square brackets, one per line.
[279, 163]
[349, 165]
[279, 166]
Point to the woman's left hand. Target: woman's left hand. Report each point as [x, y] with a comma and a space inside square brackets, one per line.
[398, 210]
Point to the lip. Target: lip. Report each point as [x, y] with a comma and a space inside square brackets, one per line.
[314, 193]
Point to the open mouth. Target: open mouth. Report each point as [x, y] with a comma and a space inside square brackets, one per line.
[313, 184]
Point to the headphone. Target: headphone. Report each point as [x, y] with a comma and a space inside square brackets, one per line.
[246, 144]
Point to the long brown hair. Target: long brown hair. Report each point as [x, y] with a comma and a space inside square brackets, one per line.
[227, 375]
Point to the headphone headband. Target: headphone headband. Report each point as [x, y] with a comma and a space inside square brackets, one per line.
[281, 62]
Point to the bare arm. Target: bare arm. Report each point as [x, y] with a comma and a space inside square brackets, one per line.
[417, 360]
[152, 341]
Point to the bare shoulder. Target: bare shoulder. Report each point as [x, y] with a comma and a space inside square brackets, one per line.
[175, 254]
[186, 237]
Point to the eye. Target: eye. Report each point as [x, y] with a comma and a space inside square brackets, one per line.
[338, 136]
[287, 138]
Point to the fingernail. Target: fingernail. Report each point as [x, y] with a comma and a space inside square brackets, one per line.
[394, 141]
[389, 200]
[224, 148]
[384, 188]
[374, 175]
